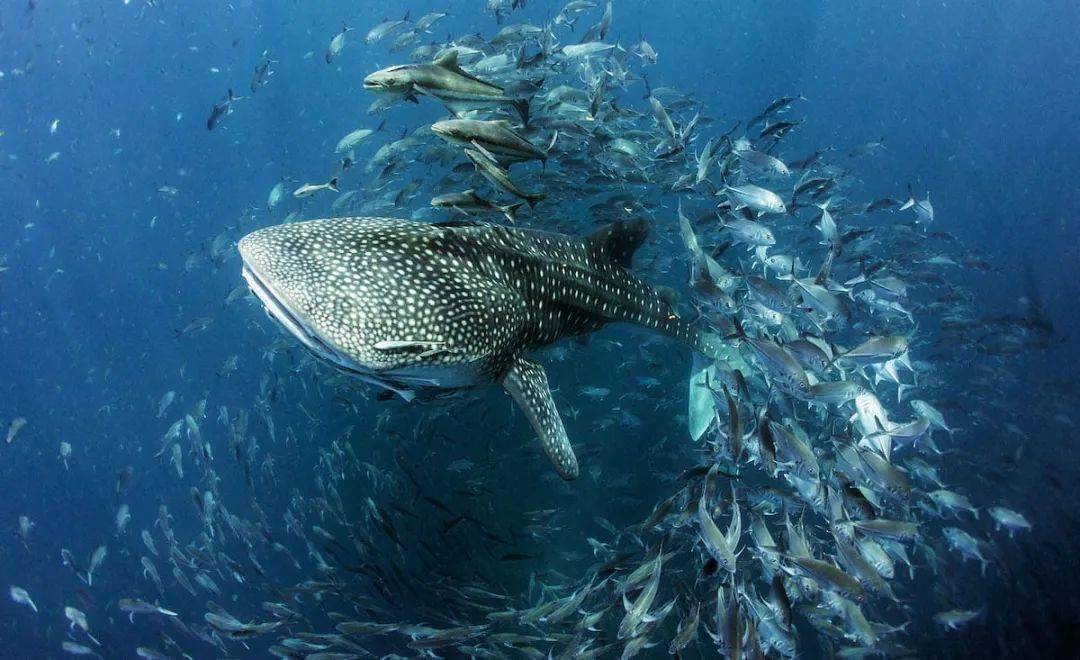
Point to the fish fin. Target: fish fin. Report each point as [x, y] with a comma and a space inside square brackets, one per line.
[527, 384]
[654, 616]
[332, 184]
[522, 108]
[491, 157]
[734, 531]
[510, 211]
[617, 242]
[449, 61]
[551, 145]
[460, 109]
[533, 200]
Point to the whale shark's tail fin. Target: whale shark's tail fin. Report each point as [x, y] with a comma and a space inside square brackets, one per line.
[527, 384]
[712, 345]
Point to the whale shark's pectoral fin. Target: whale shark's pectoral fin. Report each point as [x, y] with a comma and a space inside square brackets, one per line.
[528, 386]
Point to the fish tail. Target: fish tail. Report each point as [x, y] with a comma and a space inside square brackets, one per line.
[510, 211]
[522, 108]
[551, 145]
[739, 332]
[711, 344]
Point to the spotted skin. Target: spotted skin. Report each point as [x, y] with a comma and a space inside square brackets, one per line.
[528, 386]
[410, 305]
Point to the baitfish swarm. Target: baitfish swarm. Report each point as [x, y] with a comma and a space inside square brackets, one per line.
[803, 501]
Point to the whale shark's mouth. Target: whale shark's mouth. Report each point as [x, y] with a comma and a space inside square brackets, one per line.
[281, 312]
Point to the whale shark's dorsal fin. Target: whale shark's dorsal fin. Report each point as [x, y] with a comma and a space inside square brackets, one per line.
[617, 242]
[527, 384]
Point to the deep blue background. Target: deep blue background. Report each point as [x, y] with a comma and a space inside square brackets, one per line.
[976, 102]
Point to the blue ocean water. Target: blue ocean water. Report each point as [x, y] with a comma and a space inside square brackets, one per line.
[121, 213]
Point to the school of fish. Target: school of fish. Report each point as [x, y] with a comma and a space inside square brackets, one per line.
[805, 476]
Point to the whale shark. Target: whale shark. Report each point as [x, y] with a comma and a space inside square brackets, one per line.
[411, 306]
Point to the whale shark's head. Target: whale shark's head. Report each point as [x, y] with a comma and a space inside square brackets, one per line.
[304, 280]
[362, 294]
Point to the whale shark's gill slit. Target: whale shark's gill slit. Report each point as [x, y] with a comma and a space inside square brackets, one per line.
[311, 341]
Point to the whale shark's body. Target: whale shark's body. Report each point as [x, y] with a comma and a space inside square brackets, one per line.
[410, 305]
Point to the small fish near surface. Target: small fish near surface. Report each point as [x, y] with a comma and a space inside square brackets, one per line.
[490, 169]
[195, 325]
[309, 189]
[337, 44]
[470, 203]
[135, 606]
[221, 110]
[262, 73]
[756, 198]
[386, 28]
[276, 195]
[352, 139]
[22, 597]
[924, 210]
[14, 428]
